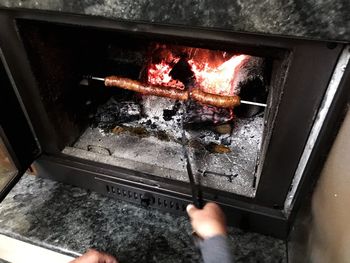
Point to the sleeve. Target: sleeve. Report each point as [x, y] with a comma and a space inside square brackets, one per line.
[215, 249]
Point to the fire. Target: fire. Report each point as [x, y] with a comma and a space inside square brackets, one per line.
[159, 74]
[220, 79]
[213, 71]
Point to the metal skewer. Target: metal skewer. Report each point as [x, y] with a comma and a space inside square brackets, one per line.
[253, 103]
[241, 101]
[97, 78]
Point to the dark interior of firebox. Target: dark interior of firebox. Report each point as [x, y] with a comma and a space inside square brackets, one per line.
[140, 132]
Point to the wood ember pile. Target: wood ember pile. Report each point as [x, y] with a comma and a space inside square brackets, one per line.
[115, 112]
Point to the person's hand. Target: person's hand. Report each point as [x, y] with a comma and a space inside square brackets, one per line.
[93, 256]
[207, 222]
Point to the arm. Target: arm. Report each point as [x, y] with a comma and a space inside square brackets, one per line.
[209, 223]
[93, 256]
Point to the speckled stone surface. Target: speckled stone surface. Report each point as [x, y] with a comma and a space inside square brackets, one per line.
[70, 220]
[317, 19]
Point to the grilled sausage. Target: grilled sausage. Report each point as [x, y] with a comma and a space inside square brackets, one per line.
[176, 94]
[215, 100]
[137, 86]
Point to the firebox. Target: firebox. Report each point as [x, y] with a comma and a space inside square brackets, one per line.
[142, 129]
[110, 106]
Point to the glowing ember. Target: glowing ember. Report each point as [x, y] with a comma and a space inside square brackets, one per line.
[213, 71]
[159, 74]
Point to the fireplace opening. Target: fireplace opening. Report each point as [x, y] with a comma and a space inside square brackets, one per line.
[87, 79]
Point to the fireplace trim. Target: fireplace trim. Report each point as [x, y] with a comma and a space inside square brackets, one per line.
[325, 107]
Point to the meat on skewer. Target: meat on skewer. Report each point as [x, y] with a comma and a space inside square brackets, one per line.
[137, 86]
[215, 100]
[173, 93]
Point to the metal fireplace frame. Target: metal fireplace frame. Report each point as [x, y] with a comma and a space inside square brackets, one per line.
[298, 110]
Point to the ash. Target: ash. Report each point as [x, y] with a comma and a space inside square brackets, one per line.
[223, 155]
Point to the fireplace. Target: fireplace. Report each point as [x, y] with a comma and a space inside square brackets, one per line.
[143, 132]
[109, 106]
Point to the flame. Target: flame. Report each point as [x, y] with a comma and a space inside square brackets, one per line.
[159, 74]
[214, 73]
[220, 79]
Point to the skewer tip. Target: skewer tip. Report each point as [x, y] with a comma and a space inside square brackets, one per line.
[87, 78]
[97, 78]
[253, 103]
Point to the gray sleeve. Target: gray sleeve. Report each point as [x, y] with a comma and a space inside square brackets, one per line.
[215, 249]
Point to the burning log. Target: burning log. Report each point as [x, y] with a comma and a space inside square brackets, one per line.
[197, 115]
